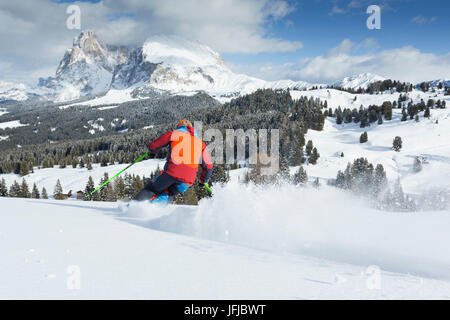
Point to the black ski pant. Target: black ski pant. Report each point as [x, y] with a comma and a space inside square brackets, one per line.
[159, 185]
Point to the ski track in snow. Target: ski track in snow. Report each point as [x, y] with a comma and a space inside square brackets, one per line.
[314, 223]
[126, 254]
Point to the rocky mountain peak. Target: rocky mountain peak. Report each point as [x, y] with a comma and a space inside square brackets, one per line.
[86, 48]
[88, 42]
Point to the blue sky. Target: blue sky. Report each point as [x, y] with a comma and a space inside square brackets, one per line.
[314, 40]
[421, 24]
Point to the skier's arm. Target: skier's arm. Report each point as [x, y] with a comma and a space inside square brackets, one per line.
[207, 166]
[160, 143]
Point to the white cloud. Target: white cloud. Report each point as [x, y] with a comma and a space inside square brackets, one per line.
[345, 7]
[423, 20]
[278, 9]
[33, 36]
[406, 64]
[337, 10]
[344, 47]
[354, 4]
[368, 43]
[228, 26]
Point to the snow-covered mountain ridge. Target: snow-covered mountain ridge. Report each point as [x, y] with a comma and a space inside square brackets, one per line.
[167, 63]
[12, 91]
[362, 80]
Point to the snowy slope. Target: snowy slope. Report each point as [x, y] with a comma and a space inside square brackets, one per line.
[336, 98]
[443, 82]
[112, 96]
[11, 124]
[312, 222]
[426, 139]
[120, 256]
[355, 82]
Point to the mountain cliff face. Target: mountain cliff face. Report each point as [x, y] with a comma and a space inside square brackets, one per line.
[87, 68]
[132, 71]
[163, 63]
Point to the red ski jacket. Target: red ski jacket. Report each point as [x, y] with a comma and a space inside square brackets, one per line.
[186, 153]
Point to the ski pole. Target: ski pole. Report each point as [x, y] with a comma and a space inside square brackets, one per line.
[208, 188]
[109, 180]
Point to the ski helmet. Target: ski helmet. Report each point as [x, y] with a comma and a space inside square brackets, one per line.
[184, 123]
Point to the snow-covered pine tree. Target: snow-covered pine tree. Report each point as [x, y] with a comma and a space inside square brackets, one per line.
[284, 174]
[364, 137]
[119, 188]
[300, 177]
[295, 154]
[340, 180]
[14, 190]
[380, 118]
[105, 192]
[397, 144]
[404, 115]
[24, 190]
[137, 186]
[339, 117]
[44, 194]
[309, 148]
[24, 170]
[387, 107]
[3, 188]
[427, 113]
[314, 156]
[128, 180]
[109, 190]
[379, 180]
[58, 191]
[104, 160]
[89, 188]
[89, 164]
[35, 192]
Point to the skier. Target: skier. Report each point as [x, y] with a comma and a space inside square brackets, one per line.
[186, 152]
